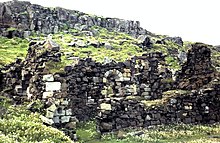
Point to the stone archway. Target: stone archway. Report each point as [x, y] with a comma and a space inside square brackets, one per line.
[112, 81]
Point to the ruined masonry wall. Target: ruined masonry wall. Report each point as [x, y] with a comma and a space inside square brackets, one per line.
[199, 107]
[89, 81]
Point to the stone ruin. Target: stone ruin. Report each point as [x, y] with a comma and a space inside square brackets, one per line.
[200, 105]
[90, 81]
[198, 69]
[119, 95]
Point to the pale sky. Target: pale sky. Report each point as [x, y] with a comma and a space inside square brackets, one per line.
[193, 20]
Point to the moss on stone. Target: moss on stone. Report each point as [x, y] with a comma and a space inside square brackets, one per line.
[165, 98]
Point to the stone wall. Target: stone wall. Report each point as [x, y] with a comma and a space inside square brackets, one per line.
[120, 95]
[197, 107]
[27, 18]
[88, 81]
[23, 78]
[198, 69]
[30, 80]
[197, 103]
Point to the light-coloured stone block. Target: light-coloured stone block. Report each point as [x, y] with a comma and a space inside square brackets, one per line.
[64, 102]
[53, 86]
[148, 117]
[105, 106]
[68, 112]
[52, 108]
[147, 89]
[96, 79]
[119, 79]
[104, 80]
[56, 120]
[18, 88]
[126, 79]
[47, 95]
[48, 77]
[46, 120]
[65, 119]
[49, 114]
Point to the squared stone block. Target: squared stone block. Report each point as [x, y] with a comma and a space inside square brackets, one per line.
[68, 112]
[46, 120]
[53, 86]
[65, 119]
[49, 114]
[52, 108]
[47, 95]
[48, 77]
[56, 119]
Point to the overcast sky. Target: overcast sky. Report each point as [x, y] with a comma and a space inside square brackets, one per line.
[193, 20]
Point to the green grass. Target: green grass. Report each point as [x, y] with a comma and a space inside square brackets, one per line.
[124, 47]
[10, 49]
[19, 125]
[159, 134]
[86, 132]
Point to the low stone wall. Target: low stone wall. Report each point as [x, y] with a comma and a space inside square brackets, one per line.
[196, 107]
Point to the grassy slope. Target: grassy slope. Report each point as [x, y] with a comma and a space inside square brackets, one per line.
[10, 49]
[18, 125]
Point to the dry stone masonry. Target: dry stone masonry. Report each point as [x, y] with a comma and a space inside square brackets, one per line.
[119, 95]
[88, 81]
[200, 106]
[198, 69]
[133, 93]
